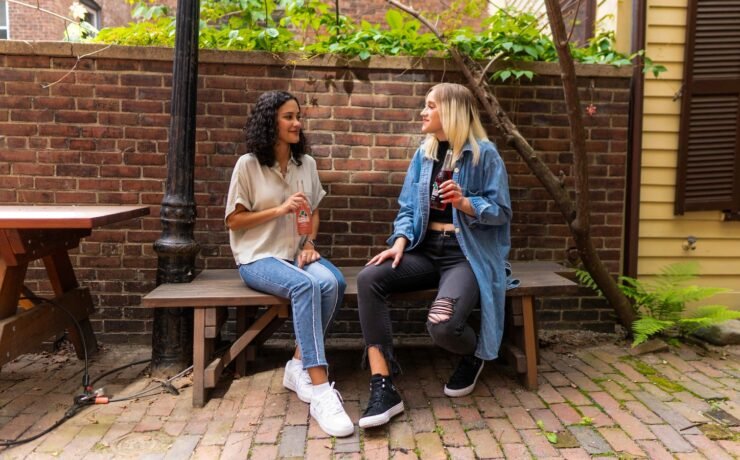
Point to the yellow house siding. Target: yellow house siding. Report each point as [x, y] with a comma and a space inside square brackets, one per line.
[661, 234]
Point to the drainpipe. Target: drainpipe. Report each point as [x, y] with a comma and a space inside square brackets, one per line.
[634, 146]
[176, 248]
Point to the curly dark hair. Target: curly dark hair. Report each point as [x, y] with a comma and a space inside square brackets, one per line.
[261, 128]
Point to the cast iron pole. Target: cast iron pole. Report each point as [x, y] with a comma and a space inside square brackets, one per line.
[177, 248]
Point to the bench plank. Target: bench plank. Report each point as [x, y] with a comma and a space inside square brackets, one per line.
[224, 288]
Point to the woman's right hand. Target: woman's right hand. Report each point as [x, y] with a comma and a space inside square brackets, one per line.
[293, 203]
[395, 252]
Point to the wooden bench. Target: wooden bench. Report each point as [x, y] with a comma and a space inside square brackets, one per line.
[216, 288]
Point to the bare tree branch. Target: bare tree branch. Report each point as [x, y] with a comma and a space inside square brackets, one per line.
[74, 67]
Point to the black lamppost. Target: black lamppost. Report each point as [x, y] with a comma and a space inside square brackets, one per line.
[176, 248]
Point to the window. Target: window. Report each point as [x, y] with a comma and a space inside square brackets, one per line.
[4, 30]
[709, 144]
[93, 13]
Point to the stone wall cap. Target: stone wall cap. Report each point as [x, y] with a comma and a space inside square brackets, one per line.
[210, 56]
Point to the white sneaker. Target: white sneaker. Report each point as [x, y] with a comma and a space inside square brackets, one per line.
[329, 412]
[296, 379]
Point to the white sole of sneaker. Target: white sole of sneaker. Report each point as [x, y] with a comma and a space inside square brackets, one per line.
[381, 419]
[464, 391]
[336, 433]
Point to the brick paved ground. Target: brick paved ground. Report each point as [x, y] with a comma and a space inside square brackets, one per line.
[600, 401]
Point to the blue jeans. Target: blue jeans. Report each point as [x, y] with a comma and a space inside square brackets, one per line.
[315, 293]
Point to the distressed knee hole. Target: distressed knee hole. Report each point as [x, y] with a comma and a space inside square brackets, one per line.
[441, 310]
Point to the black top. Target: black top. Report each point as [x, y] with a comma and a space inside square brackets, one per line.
[434, 214]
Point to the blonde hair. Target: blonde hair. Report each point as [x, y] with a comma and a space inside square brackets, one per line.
[458, 114]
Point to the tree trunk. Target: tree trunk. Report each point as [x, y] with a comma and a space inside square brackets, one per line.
[576, 215]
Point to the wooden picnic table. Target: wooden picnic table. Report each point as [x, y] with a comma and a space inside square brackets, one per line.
[29, 233]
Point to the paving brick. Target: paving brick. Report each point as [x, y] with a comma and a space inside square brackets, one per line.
[671, 438]
[505, 397]
[575, 454]
[595, 362]
[582, 381]
[620, 442]
[265, 451]
[566, 413]
[597, 416]
[574, 396]
[656, 392]
[442, 408]
[530, 400]
[376, 446]
[655, 450]
[556, 379]
[484, 444]
[691, 414]
[549, 394]
[503, 431]
[640, 411]
[462, 453]
[430, 446]
[237, 446]
[732, 447]
[517, 451]
[401, 436]
[630, 372]
[590, 439]
[616, 391]
[183, 447]
[206, 452]
[470, 418]
[348, 444]
[422, 420]
[269, 430]
[675, 419]
[520, 418]
[538, 443]
[708, 447]
[452, 432]
[489, 407]
[548, 418]
[701, 390]
[626, 383]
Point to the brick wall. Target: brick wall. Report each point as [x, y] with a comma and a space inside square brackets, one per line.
[98, 135]
[31, 24]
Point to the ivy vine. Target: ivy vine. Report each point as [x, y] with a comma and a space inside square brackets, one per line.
[312, 27]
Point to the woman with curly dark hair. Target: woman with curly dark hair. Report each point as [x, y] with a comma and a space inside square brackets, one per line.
[269, 186]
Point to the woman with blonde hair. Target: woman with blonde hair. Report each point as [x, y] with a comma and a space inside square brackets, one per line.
[451, 233]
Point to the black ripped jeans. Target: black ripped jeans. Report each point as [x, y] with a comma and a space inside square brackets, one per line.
[437, 262]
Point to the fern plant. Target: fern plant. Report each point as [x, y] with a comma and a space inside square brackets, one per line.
[661, 304]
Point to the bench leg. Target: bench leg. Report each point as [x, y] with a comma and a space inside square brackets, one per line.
[199, 357]
[530, 342]
[244, 317]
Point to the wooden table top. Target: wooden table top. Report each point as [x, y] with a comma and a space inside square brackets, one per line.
[56, 217]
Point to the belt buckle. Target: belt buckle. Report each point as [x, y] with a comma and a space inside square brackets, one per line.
[445, 233]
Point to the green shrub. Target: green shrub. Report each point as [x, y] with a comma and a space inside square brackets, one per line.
[661, 304]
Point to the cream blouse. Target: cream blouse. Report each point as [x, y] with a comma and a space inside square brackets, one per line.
[257, 188]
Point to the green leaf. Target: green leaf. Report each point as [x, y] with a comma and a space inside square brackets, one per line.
[552, 437]
[394, 19]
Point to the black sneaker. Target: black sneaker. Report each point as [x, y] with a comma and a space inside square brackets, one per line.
[465, 376]
[385, 402]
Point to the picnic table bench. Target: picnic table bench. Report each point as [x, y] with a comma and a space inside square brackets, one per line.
[213, 289]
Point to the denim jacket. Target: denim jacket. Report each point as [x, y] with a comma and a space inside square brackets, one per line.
[484, 238]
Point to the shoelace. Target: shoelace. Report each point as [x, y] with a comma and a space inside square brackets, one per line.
[376, 393]
[331, 401]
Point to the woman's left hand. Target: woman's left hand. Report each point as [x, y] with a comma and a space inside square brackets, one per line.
[308, 255]
[452, 193]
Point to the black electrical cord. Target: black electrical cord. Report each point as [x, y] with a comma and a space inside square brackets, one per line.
[28, 294]
[88, 397]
